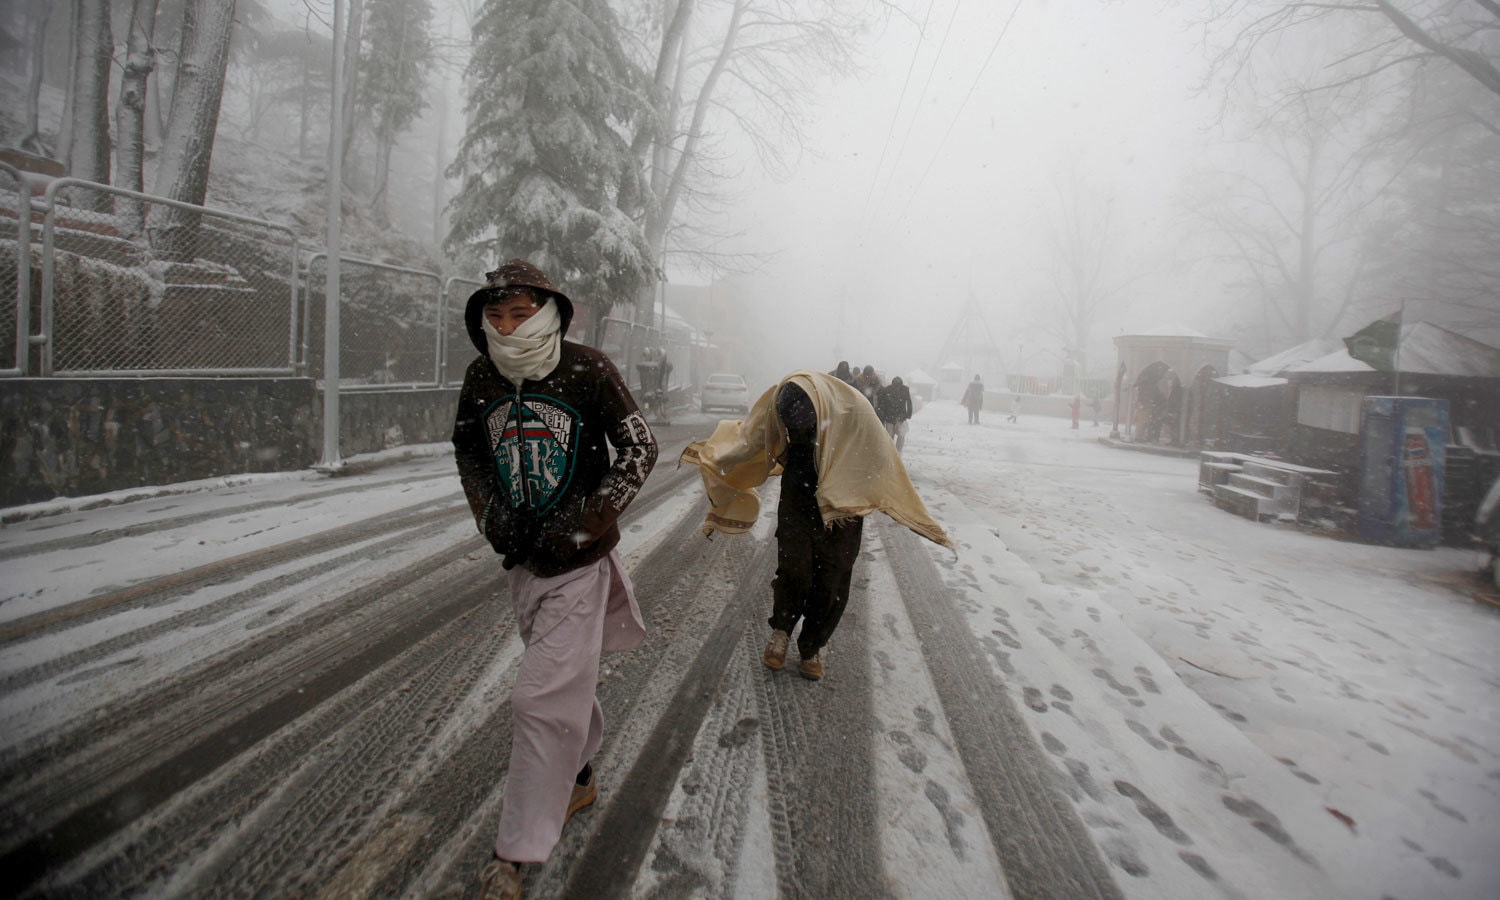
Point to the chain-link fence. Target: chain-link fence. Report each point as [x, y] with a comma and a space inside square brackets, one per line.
[138, 284]
[458, 350]
[119, 283]
[15, 268]
[389, 322]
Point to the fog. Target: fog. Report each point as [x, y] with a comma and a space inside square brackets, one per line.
[867, 174]
[898, 212]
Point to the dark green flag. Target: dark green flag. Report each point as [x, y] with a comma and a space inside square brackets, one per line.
[1375, 344]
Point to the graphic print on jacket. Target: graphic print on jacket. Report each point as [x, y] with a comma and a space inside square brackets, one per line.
[534, 450]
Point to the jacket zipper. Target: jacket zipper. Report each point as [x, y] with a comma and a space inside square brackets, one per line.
[521, 457]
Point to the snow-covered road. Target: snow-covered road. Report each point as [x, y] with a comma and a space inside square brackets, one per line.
[296, 685]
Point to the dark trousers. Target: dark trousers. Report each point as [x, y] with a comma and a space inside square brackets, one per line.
[814, 566]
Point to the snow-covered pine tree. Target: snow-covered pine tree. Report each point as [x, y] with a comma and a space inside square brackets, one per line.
[551, 95]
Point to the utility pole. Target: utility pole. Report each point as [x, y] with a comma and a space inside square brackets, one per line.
[331, 460]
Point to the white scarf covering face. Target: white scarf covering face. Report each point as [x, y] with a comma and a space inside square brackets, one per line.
[531, 351]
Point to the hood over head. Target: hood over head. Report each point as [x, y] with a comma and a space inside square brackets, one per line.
[515, 273]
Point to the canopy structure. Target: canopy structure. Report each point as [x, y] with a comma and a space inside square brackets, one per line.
[1424, 349]
[1307, 351]
[1248, 380]
[1162, 383]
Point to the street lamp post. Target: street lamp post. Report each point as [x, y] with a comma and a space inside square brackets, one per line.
[331, 459]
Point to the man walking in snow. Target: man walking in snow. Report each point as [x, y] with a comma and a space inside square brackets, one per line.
[973, 399]
[837, 465]
[529, 438]
[893, 405]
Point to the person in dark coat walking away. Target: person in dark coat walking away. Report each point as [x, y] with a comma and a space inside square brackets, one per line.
[893, 405]
[973, 399]
[536, 417]
[868, 383]
[844, 373]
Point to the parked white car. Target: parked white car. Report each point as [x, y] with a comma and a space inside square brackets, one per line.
[723, 390]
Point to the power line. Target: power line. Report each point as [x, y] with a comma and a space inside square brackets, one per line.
[939, 151]
[875, 176]
[917, 111]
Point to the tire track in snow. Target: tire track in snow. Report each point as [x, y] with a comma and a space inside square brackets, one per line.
[86, 789]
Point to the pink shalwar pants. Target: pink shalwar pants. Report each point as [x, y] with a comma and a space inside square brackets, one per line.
[566, 622]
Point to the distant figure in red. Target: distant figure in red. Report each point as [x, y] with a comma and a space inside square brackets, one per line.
[1075, 406]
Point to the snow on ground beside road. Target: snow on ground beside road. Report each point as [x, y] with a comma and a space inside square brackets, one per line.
[1284, 713]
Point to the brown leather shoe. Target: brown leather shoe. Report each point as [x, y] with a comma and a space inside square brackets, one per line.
[583, 795]
[775, 655]
[811, 667]
[500, 880]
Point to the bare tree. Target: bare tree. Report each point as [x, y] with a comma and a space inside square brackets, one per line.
[1083, 269]
[88, 150]
[1434, 250]
[1458, 32]
[1304, 97]
[182, 170]
[34, 16]
[721, 65]
[396, 62]
[140, 60]
[1288, 219]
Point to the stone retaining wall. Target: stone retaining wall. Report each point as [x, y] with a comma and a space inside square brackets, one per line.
[65, 437]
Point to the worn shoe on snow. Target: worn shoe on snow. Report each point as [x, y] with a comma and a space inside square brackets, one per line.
[500, 880]
[583, 794]
[775, 655]
[811, 667]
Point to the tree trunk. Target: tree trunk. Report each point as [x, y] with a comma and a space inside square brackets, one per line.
[37, 15]
[439, 182]
[385, 142]
[65, 127]
[353, 36]
[182, 173]
[88, 154]
[305, 104]
[140, 60]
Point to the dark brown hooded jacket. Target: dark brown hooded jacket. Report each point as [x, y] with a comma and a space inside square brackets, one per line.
[533, 457]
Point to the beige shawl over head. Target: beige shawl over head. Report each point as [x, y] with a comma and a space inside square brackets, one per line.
[859, 470]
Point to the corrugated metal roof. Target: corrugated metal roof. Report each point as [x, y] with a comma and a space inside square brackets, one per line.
[1426, 349]
[1249, 380]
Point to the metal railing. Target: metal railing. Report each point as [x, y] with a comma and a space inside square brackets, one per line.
[142, 285]
[15, 319]
[116, 283]
[457, 348]
[390, 323]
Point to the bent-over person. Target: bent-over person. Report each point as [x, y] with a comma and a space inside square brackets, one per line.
[837, 465]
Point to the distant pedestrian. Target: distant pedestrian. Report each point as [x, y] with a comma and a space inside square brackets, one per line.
[893, 405]
[1076, 406]
[536, 417]
[1094, 406]
[1015, 408]
[868, 383]
[973, 399]
[843, 373]
[837, 466]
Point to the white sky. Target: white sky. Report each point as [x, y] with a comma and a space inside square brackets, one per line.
[1075, 86]
[1210, 662]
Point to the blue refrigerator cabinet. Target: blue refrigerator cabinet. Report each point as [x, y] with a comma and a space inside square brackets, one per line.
[1401, 470]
